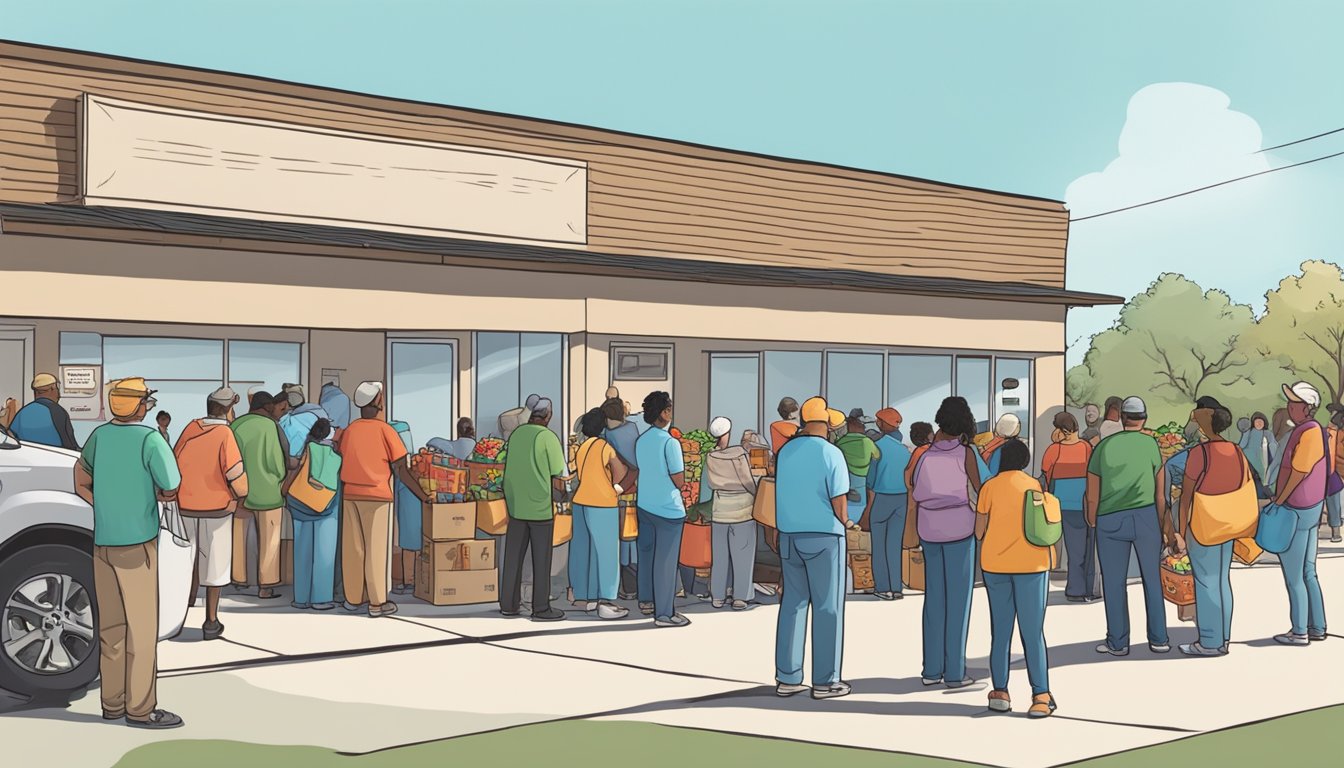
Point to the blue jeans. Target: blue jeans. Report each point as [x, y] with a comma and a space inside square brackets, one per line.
[1117, 533]
[594, 553]
[315, 558]
[659, 546]
[1018, 598]
[949, 575]
[855, 508]
[888, 528]
[1306, 606]
[1080, 545]
[1212, 567]
[814, 574]
[1332, 508]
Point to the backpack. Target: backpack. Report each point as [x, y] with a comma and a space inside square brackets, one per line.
[941, 493]
[1042, 521]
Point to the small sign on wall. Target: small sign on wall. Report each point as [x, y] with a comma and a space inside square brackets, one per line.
[81, 391]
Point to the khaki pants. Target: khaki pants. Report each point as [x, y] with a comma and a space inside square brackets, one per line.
[366, 549]
[268, 522]
[126, 580]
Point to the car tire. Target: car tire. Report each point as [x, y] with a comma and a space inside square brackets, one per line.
[21, 569]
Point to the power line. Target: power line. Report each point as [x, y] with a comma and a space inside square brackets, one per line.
[1206, 188]
[1299, 141]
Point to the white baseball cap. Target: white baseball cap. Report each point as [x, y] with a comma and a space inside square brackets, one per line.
[1133, 406]
[1302, 392]
[720, 427]
[367, 392]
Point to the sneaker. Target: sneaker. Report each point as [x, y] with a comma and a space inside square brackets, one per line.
[212, 630]
[1288, 638]
[1226, 649]
[646, 609]
[740, 605]
[885, 595]
[300, 606]
[404, 589]
[1335, 536]
[323, 606]
[897, 595]
[958, 683]
[509, 614]
[785, 690]
[1042, 705]
[1316, 637]
[159, 718]
[608, 612]
[766, 589]
[550, 614]
[1000, 702]
[352, 607]
[1160, 647]
[717, 603]
[931, 681]
[1195, 649]
[832, 691]
[587, 606]
[675, 620]
[681, 592]
[1078, 598]
[265, 593]
[627, 595]
[386, 609]
[109, 716]
[1104, 648]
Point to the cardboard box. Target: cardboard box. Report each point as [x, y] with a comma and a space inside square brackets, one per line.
[859, 542]
[862, 568]
[455, 587]
[287, 561]
[462, 555]
[912, 569]
[491, 517]
[763, 510]
[443, 522]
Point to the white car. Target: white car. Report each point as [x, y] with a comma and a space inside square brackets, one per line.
[48, 635]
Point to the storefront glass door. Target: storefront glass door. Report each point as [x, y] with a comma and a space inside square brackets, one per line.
[421, 388]
[511, 366]
[855, 380]
[917, 384]
[973, 384]
[788, 374]
[734, 391]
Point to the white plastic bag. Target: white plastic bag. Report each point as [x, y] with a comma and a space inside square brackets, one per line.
[176, 559]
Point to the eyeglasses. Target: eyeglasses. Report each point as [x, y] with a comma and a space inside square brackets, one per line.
[151, 403]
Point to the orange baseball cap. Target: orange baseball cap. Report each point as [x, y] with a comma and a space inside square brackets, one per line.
[816, 409]
[890, 416]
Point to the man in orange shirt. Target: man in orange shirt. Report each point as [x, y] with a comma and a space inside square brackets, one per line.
[371, 453]
[213, 482]
[786, 427]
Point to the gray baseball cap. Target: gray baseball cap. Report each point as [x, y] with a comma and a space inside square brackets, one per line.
[223, 396]
[1134, 406]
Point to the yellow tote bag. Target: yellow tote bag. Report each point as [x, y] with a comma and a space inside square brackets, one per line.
[307, 491]
[1220, 518]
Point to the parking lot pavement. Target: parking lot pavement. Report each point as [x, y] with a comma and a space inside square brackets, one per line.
[355, 684]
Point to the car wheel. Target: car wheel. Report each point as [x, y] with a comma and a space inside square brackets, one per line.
[48, 635]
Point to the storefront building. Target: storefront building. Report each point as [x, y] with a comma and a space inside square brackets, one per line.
[201, 228]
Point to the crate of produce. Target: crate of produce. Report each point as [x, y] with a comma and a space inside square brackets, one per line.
[759, 458]
[1178, 580]
[861, 567]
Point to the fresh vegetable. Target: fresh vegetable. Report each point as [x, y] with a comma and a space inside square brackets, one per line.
[488, 450]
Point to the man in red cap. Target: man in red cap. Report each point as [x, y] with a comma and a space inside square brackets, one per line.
[885, 513]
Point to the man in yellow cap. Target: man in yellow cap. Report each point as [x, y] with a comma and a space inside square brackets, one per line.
[124, 471]
[44, 421]
[812, 481]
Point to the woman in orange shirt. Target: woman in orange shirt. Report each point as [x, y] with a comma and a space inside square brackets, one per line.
[1065, 470]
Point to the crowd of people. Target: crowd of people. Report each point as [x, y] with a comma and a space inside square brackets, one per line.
[338, 470]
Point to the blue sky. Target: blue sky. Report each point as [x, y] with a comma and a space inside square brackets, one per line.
[1030, 97]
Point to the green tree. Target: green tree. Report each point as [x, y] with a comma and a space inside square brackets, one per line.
[1302, 330]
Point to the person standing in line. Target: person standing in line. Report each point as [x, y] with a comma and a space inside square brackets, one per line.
[860, 452]
[372, 454]
[1126, 503]
[164, 421]
[1111, 424]
[407, 509]
[1007, 428]
[462, 447]
[296, 423]
[124, 471]
[1258, 444]
[1065, 469]
[1016, 579]
[1334, 502]
[728, 475]
[1301, 488]
[1092, 422]
[213, 482]
[941, 521]
[44, 421]
[622, 436]
[1218, 472]
[786, 427]
[516, 417]
[315, 530]
[595, 549]
[535, 467]
[884, 514]
[266, 464]
[1282, 428]
[812, 515]
[336, 404]
[661, 513]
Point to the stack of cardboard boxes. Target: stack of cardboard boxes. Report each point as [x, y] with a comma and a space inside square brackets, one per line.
[454, 567]
[860, 546]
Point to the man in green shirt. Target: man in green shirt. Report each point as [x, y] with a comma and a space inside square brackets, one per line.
[124, 471]
[264, 463]
[535, 465]
[1126, 503]
[860, 452]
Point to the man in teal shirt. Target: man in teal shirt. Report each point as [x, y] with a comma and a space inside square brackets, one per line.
[124, 471]
[885, 514]
[535, 465]
[662, 473]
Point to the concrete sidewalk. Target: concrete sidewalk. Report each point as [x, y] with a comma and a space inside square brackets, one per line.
[354, 684]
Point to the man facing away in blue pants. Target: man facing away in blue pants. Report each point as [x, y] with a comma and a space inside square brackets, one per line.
[811, 515]
[885, 515]
[1126, 503]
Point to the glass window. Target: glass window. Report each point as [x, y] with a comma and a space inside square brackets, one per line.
[421, 388]
[734, 391]
[854, 380]
[541, 371]
[1012, 385]
[917, 384]
[789, 374]
[973, 384]
[266, 365]
[640, 365]
[158, 358]
[511, 366]
[81, 349]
